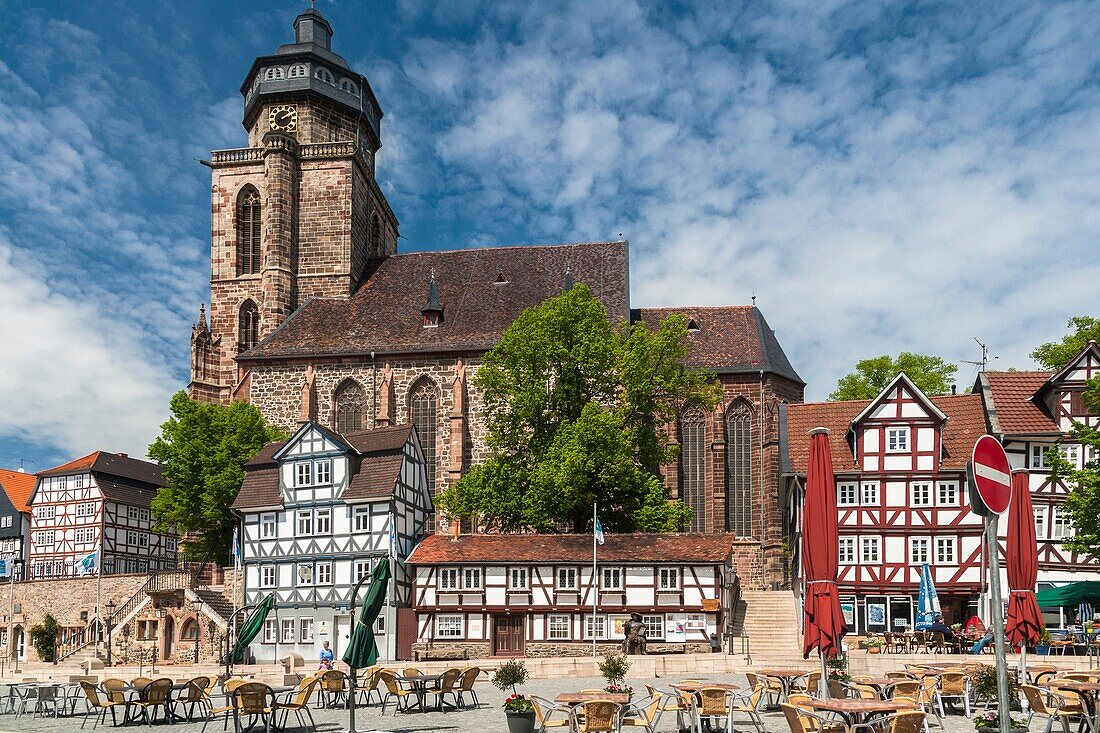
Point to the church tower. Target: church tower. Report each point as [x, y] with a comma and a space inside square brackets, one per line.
[296, 214]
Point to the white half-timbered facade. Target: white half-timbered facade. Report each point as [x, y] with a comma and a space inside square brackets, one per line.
[1032, 412]
[318, 511]
[99, 501]
[532, 595]
[900, 467]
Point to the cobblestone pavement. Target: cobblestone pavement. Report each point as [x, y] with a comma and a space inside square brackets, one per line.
[485, 719]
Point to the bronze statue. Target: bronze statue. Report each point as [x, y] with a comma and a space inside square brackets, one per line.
[634, 638]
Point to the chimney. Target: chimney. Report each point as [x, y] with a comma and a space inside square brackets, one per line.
[455, 528]
[954, 388]
[123, 455]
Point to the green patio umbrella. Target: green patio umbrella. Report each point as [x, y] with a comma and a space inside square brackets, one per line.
[1085, 591]
[251, 627]
[362, 651]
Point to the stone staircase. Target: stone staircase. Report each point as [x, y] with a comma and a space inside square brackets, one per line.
[215, 605]
[769, 619]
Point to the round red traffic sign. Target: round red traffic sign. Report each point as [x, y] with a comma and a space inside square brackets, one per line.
[992, 474]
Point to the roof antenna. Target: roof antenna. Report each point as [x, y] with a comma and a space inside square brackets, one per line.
[986, 358]
[754, 299]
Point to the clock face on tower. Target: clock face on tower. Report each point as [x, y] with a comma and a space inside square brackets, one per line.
[283, 118]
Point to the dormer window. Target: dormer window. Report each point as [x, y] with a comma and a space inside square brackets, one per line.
[349, 86]
[324, 75]
[897, 439]
[273, 73]
[297, 71]
[693, 327]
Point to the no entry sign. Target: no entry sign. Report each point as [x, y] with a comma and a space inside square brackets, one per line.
[990, 477]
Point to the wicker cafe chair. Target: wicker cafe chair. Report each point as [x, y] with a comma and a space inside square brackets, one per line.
[670, 702]
[773, 687]
[399, 694]
[804, 720]
[955, 686]
[156, 694]
[861, 692]
[544, 709]
[115, 690]
[445, 686]
[597, 716]
[297, 702]
[226, 711]
[366, 687]
[334, 688]
[197, 695]
[645, 716]
[99, 705]
[1059, 708]
[749, 703]
[255, 701]
[140, 682]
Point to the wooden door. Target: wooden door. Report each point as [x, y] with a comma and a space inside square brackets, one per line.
[405, 633]
[508, 635]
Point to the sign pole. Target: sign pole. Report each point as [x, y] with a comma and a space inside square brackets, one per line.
[1003, 704]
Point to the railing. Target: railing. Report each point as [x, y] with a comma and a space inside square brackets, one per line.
[50, 570]
[328, 150]
[237, 155]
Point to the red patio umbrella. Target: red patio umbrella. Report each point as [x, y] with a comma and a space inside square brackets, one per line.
[1024, 620]
[824, 625]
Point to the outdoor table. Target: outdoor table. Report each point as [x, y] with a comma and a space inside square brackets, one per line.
[134, 691]
[13, 688]
[579, 698]
[696, 686]
[879, 683]
[419, 685]
[786, 677]
[858, 712]
[1087, 691]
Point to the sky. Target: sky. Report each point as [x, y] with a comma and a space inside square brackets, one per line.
[883, 177]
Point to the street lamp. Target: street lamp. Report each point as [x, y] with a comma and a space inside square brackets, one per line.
[110, 615]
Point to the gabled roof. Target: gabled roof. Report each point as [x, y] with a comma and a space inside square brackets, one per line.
[1011, 400]
[902, 380]
[18, 486]
[304, 428]
[965, 424]
[727, 339]
[439, 549]
[483, 291]
[118, 465]
[1090, 348]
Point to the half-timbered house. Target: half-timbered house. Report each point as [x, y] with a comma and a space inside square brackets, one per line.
[97, 504]
[15, 522]
[532, 595]
[318, 511]
[1032, 412]
[900, 466]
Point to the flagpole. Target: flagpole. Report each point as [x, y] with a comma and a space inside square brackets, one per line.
[595, 586]
[99, 589]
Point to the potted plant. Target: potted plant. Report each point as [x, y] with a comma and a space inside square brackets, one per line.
[873, 645]
[1043, 647]
[519, 710]
[614, 668]
[991, 721]
[838, 675]
[984, 686]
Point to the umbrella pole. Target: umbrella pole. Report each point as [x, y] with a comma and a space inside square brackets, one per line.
[823, 688]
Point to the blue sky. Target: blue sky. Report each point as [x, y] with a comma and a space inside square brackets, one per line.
[884, 177]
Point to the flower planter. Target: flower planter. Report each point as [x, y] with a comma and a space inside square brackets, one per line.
[1043, 649]
[874, 649]
[520, 722]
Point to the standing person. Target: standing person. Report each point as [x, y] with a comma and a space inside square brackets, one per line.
[326, 657]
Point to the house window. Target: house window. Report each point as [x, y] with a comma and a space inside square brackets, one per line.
[5, 521]
[45, 512]
[305, 522]
[132, 513]
[324, 521]
[945, 550]
[870, 550]
[86, 509]
[1040, 522]
[949, 494]
[471, 579]
[305, 574]
[286, 635]
[739, 499]
[919, 550]
[268, 525]
[597, 631]
[249, 225]
[323, 470]
[248, 326]
[897, 439]
[517, 578]
[143, 515]
[612, 579]
[361, 518]
[668, 579]
[267, 576]
[424, 415]
[43, 538]
[566, 579]
[83, 535]
[557, 627]
[1060, 525]
[847, 494]
[78, 481]
[920, 494]
[693, 468]
[324, 573]
[131, 538]
[654, 627]
[448, 579]
[362, 570]
[869, 493]
[448, 626]
[147, 630]
[846, 550]
[1071, 453]
[271, 631]
[190, 630]
[303, 474]
[305, 630]
[1039, 456]
[349, 401]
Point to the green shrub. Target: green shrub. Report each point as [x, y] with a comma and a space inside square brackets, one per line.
[44, 638]
[614, 667]
[509, 675]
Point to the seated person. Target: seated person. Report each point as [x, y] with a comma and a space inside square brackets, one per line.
[939, 626]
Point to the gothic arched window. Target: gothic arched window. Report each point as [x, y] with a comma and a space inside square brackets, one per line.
[739, 509]
[348, 404]
[693, 466]
[424, 415]
[248, 326]
[189, 631]
[248, 231]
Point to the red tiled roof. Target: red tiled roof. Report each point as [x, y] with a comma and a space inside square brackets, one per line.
[1016, 412]
[18, 486]
[965, 424]
[728, 339]
[439, 549]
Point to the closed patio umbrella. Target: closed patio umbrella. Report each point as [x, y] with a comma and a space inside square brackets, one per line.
[251, 628]
[1024, 622]
[928, 601]
[823, 627]
[362, 650]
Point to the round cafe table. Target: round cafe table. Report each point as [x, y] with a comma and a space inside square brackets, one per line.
[1087, 691]
[859, 712]
[786, 677]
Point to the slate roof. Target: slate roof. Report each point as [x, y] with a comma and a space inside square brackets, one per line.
[116, 465]
[376, 461]
[18, 486]
[965, 424]
[439, 549]
[385, 317]
[729, 339]
[1009, 400]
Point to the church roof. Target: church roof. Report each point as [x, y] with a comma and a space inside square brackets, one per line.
[484, 290]
[441, 549]
[727, 339]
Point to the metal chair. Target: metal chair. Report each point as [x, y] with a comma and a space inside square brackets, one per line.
[100, 705]
[445, 686]
[1054, 705]
[401, 696]
[253, 700]
[334, 687]
[645, 716]
[955, 686]
[544, 709]
[156, 694]
[750, 703]
[196, 695]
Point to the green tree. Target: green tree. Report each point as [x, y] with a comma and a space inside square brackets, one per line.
[1083, 500]
[576, 409]
[202, 449]
[1056, 354]
[931, 373]
[44, 638]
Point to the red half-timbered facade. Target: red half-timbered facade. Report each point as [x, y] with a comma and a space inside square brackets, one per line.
[900, 465]
[532, 595]
[1031, 412]
[96, 504]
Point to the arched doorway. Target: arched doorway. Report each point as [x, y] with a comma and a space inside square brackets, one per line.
[169, 645]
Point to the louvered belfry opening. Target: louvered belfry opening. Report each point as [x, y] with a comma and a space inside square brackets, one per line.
[248, 232]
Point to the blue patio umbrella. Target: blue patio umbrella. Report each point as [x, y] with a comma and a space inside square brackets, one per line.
[928, 602]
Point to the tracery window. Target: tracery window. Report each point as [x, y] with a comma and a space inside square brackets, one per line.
[248, 231]
[349, 403]
[739, 509]
[248, 326]
[693, 461]
[423, 412]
